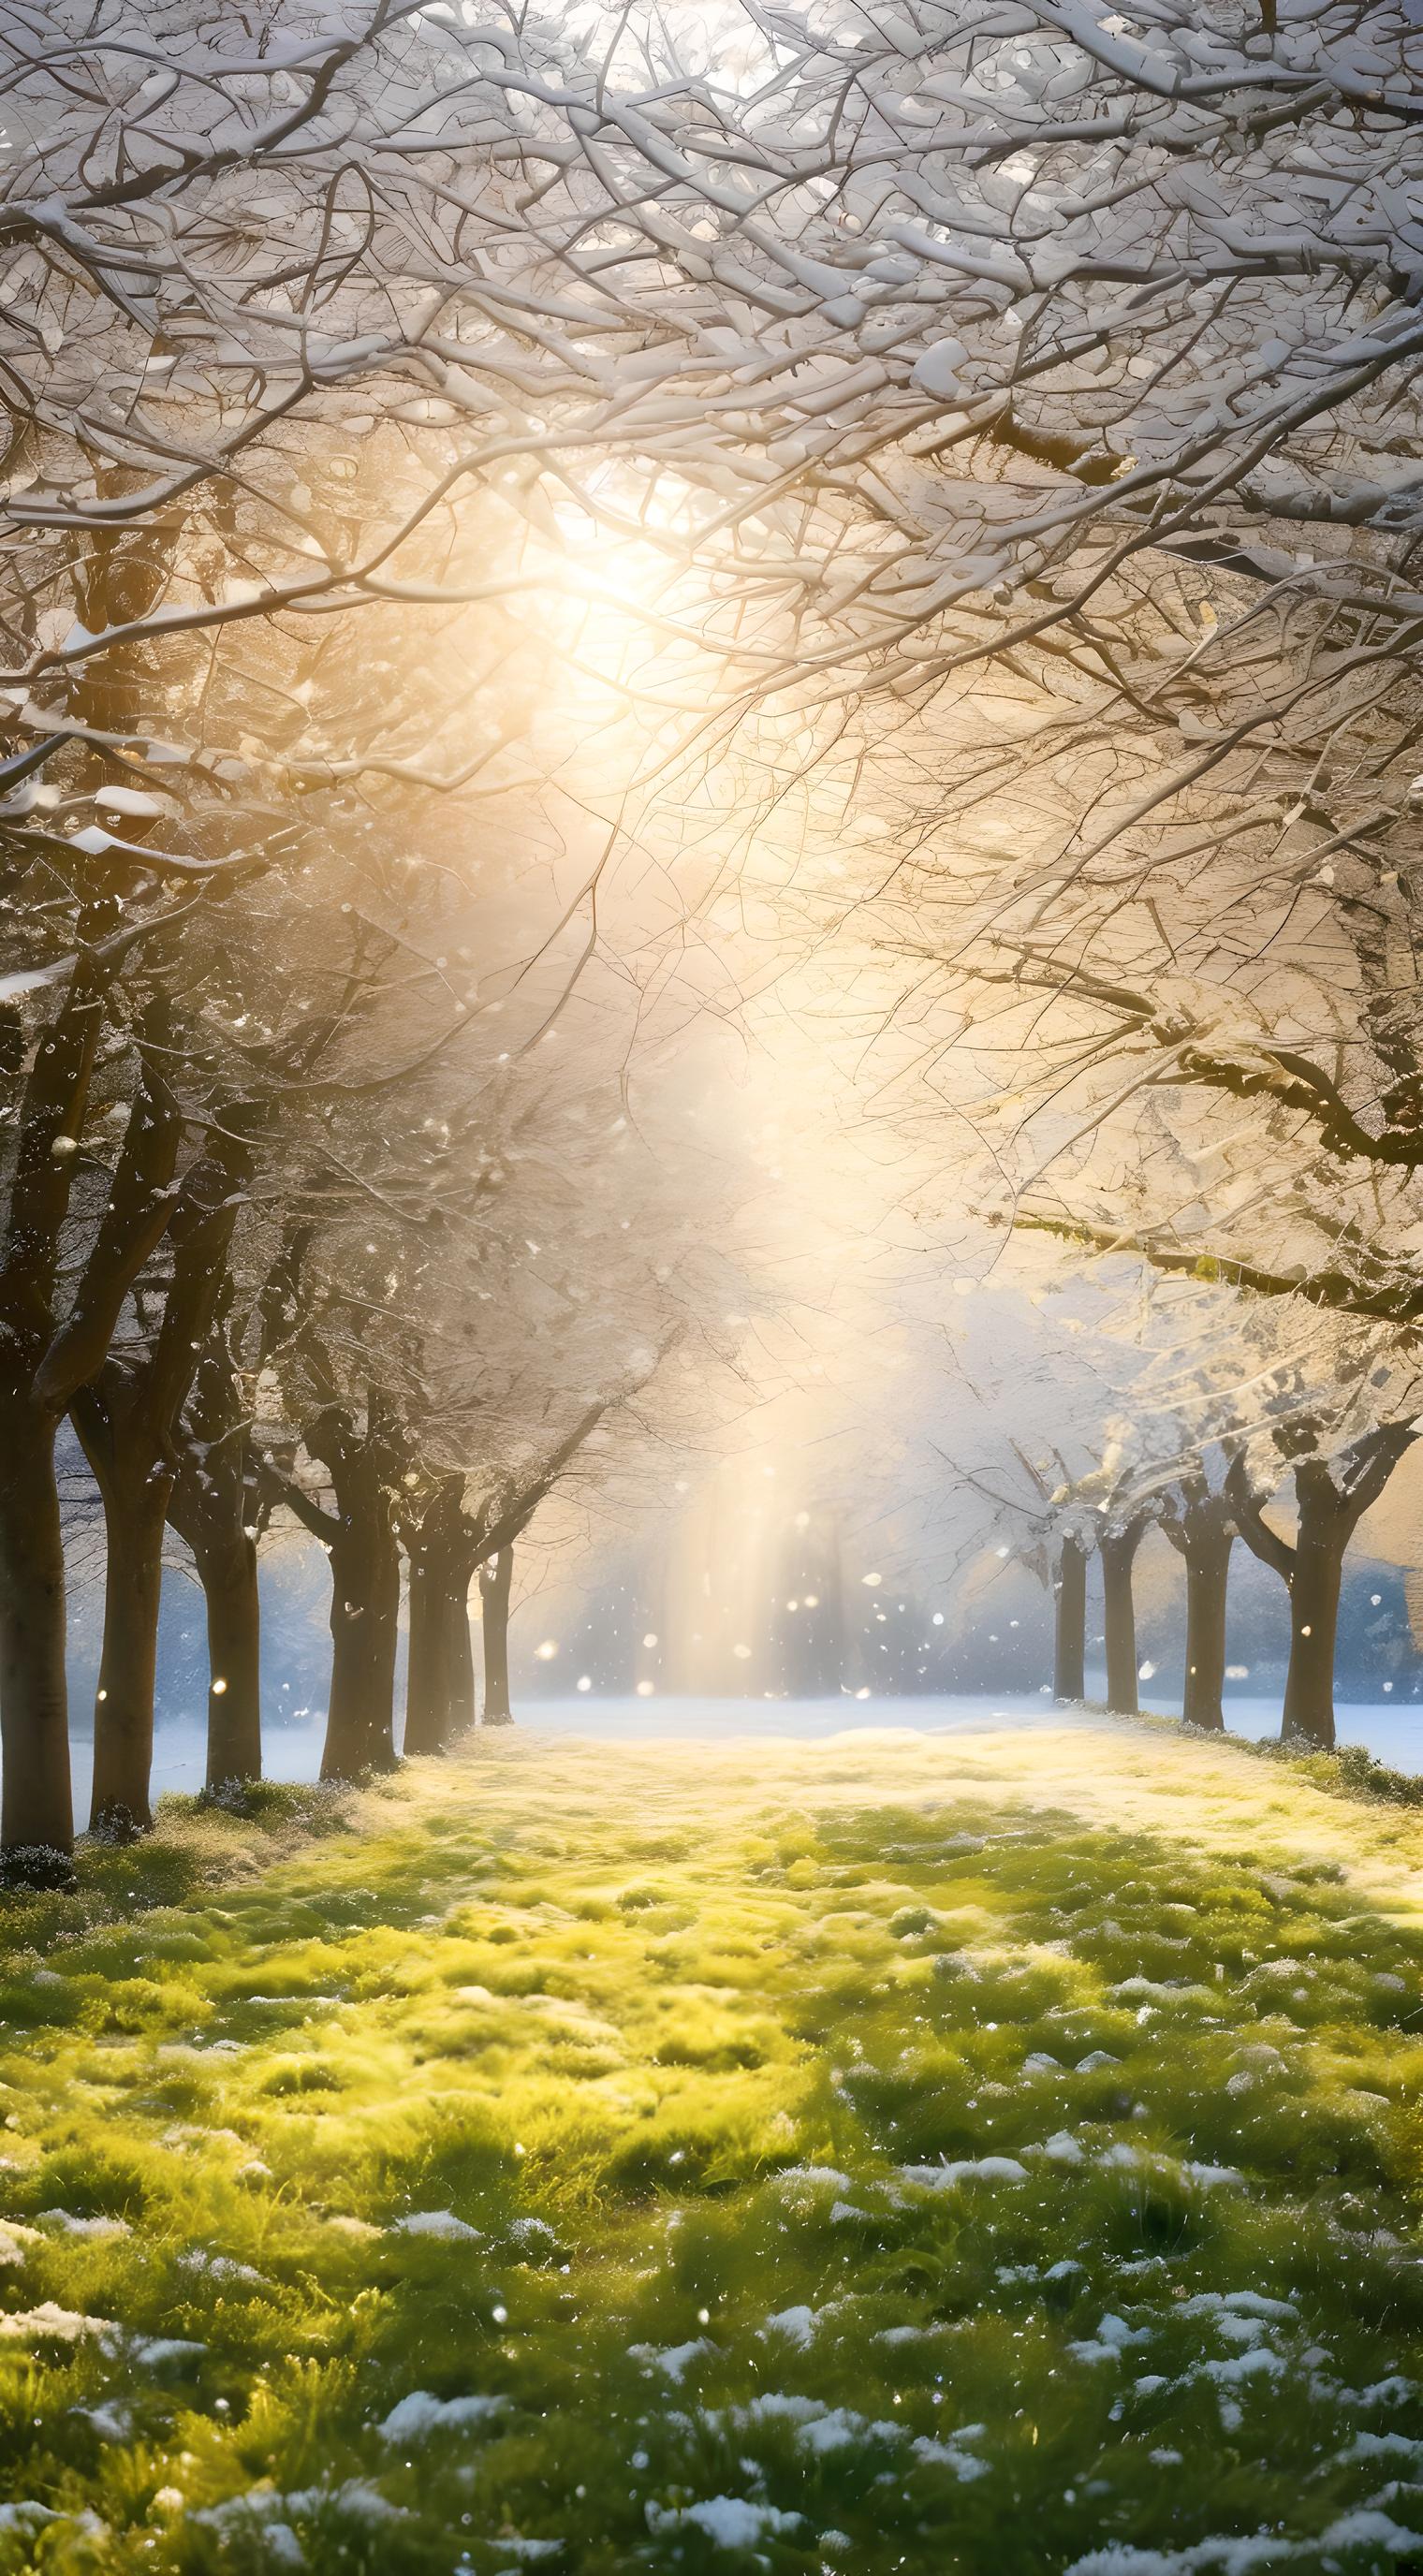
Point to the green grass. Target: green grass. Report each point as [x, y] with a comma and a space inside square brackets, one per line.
[854, 2165]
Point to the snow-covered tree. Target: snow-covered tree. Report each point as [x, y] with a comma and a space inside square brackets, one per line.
[1020, 408]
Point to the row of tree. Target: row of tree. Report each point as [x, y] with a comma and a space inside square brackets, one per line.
[305, 1217]
[238, 1339]
[1105, 1404]
[464, 475]
[1202, 1521]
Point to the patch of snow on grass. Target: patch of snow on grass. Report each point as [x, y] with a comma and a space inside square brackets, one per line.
[966, 2169]
[674, 2359]
[436, 2222]
[1225, 2556]
[1381, 2446]
[262, 2510]
[950, 2454]
[730, 2522]
[1259, 2363]
[818, 2427]
[796, 2324]
[420, 2413]
[96, 2227]
[62, 2325]
[221, 2267]
[356, 2501]
[1113, 2338]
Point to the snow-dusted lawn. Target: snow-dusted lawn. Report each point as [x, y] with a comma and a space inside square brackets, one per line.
[1394, 1733]
[983, 2151]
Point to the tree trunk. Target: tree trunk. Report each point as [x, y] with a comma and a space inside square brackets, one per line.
[234, 1619]
[360, 1541]
[427, 1676]
[461, 1654]
[365, 1606]
[1207, 1582]
[495, 1579]
[1118, 1554]
[1070, 1627]
[214, 1505]
[36, 1808]
[1308, 1716]
[45, 1362]
[126, 1411]
[134, 1521]
[1331, 1501]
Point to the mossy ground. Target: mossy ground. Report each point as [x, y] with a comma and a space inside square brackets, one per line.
[996, 2153]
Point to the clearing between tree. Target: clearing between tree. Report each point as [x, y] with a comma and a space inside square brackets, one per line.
[999, 2151]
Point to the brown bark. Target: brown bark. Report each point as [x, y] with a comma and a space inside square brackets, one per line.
[1331, 1499]
[123, 1706]
[440, 1545]
[1070, 1622]
[365, 1603]
[495, 1579]
[1201, 1528]
[1307, 1716]
[36, 1811]
[126, 1417]
[45, 1357]
[359, 1536]
[1117, 1550]
[461, 1653]
[234, 1626]
[427, 1672]
[216, 1506]
[439, 1687]
[1207, 1592]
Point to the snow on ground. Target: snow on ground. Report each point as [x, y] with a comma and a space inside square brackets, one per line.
[1392, 1733]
